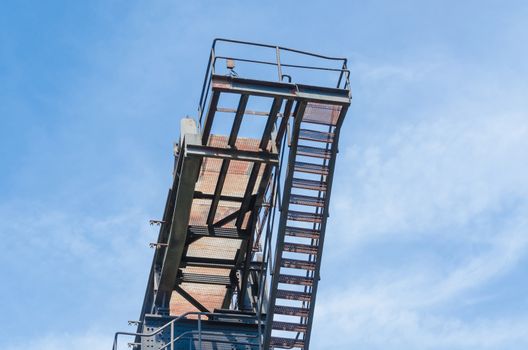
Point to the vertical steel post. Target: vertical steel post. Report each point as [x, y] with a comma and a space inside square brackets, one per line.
[279, 69]
[172, 335]
[200, 331]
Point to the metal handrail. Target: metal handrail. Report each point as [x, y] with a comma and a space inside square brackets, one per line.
[250, 43]
[210, 71]
[171, 325]
[182, 336]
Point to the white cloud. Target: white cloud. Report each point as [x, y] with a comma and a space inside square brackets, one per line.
[453, 177]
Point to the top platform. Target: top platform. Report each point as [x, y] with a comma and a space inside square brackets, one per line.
[274, 71]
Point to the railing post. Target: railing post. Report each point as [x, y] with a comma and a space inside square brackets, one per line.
[200, 331]
[172, 335]
[343, 68]
[279, 69]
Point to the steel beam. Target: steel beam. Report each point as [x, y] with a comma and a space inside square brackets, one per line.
[199, 151]
[180, 219]
[222, 83]
[208, 123]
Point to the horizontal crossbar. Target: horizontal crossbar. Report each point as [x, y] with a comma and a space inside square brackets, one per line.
[231, 154]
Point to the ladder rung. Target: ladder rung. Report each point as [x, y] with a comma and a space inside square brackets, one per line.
[311, 168]
[317, 136]
[301, 232]
[292, 311]
[307, 200]
[309, 151]
[298, 264]
[290, 327]
[293, 295]
[309, 184]
[300, 248]
[300, 280]
[286, 343]
[305, 217]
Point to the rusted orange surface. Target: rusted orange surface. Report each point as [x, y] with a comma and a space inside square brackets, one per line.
[212, 296]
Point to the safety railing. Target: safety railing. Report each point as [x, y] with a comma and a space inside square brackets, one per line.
[185, 336]
[199, 332]
[343, 78]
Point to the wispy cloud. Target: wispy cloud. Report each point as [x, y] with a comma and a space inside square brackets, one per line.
[448, 192]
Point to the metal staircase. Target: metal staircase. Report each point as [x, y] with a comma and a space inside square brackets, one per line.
[220, 255]
[301, 230]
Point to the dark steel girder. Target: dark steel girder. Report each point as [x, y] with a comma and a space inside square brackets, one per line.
[200, 151]
[182, 209]
[225, 163]
[222, 83]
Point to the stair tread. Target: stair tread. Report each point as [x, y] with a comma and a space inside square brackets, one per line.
[286, 342]
[316, 152]
[300, 248]
[301, 232]
[300, 199]
[300, 280]
[311, 168]
[298, 264]
[305, 217]
[289, 326]
[309, 184]
[293, 295]
[317, 136]
[292, 311]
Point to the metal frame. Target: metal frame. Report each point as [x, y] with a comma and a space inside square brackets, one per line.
[175, 235]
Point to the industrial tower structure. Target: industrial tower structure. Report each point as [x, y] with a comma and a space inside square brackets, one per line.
[237, 260]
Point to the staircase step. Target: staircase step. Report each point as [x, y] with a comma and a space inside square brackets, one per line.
[300, 280]
[286, 343]
[301, 232]
[307, 200]
[300, 248]
[292, 311]
[293, 295]
[298, 264]
[311, 168]
[317, 136]
[290, 327]
[305, 217]
[309, 184]
[309, 151]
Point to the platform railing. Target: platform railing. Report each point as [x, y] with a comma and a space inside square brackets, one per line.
[200, 333]
[343, 80]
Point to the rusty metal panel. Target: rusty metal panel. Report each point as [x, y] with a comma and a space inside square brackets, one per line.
[209, 295]
[214, 248]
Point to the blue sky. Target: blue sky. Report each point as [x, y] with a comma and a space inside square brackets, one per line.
[427, 244]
